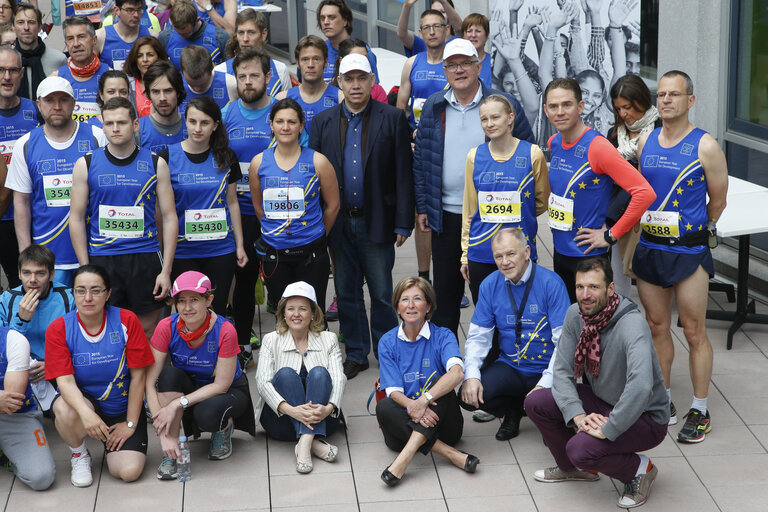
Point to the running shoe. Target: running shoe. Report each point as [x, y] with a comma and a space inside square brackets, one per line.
[221, 443]
[464, 301]
[672, 414]
[695, 428]
[637, 490]
[332, 315]
[246, 359]
[482, 416]
[81, 469]
[167, 469]
[555, 474]
[255, 342]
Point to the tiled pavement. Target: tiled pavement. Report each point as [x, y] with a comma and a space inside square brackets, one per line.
[727, 472]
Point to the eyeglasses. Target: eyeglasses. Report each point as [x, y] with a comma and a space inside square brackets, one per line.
[430, 28]
[132, 10]
[95, 292]
[454, 66]
[417, 300]
[12, 71]
[6, 8]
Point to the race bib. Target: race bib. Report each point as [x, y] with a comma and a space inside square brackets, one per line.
[7, 149]
[416, 107]
[499, 206]
[84, 110]
[121, 221]
[244, 183]
[560, 212]
[209, 224]
[118, 64]
[88, 8]
[283, 203]
[666, 224]
[57, 188]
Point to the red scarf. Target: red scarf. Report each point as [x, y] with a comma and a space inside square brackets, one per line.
[588, 347]
[189, 337]
[87, 70]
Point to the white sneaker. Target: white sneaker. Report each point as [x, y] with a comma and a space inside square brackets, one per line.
[81, 469]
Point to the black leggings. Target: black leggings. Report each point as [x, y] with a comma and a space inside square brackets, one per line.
[243, 298]
[219, 269]
[281, 270]
[212, 414]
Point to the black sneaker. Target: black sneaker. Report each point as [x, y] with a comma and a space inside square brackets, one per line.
[352, 368]
[672, 414]
[696, 427]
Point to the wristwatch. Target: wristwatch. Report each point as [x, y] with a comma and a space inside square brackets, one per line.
[208, 7]
[609, 239]
[428, 396]
[184, 401]
[130, 424]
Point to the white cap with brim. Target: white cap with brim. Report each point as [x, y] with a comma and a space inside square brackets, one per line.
[300, 289]
[459, 46]
[54, 84]
[354, 62]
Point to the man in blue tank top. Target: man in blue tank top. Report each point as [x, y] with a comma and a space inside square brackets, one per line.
[525, 304]
[684, 165]
[334, 19]
[18, 116]
[313, 94]
[423, 73]
[164, 125]
[83, 68]
[252, 31]
[186, 28]
[113, 42]
[201, 80]
[40, 174]
[115, 192]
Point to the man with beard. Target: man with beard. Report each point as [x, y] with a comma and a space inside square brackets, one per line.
[83, 68]
[599, 426]
[38, 59]
[164, 125]
[249, 132]
[40, 174]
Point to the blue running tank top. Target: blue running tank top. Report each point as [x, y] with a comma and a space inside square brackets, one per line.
[218, 92]
[293, 215]
[207, 40]
[51, 173]
[85, 93]
[116, 50]
[15, 123]
[579, 196]
[330, 98]
[101, 368]
[247, 138]
[333, 54]
[199, 362]
[29, 403]
[425, 79]
[156, 141]
[121, 205]
[506, 196]
[203, 15]
[677, 177]
[205, 227]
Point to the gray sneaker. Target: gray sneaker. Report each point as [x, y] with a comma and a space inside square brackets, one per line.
[482, 416]
[167, 469]
[636, 492]
[221, 444]
[555, 474]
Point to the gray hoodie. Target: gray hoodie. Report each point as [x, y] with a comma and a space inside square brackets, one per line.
[630, 376]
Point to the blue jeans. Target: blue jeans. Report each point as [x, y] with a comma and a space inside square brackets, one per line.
[315, 387]
[356, 256]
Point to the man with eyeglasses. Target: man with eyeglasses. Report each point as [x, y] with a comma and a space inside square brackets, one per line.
[448, 129]
[689, 173]
[113, 42]
[368, 144]
[38, 59]
[18, 116]
[30, 307]
[423, 73]
[313, 93]
[513, 334]
[40, 174]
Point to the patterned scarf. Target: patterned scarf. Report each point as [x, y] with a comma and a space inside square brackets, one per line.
[628, 147]
[86, 71]
[588, 347]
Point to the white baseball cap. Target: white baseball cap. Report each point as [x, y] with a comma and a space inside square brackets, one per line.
[54, 84]
[459, 46]
[354, 61]
[300, 289]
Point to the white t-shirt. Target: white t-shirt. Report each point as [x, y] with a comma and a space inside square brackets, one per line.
[17, 352]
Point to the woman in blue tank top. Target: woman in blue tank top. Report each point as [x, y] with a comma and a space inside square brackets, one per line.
[296, 198]
[506, 185]
[204, 385]
[204, 173]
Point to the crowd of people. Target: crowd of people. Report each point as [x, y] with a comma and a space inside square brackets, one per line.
[157, 172]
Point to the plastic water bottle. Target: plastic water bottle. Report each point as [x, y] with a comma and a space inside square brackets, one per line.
[183, 466]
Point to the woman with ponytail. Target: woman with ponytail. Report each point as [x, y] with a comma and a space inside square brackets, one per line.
[204, 171]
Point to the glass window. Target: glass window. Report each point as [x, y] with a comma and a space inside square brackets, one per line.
[749, 164]
[748, 109]
[358, 5]
[360, 30]
[649, 43]
[389, 10]
[388, 39]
